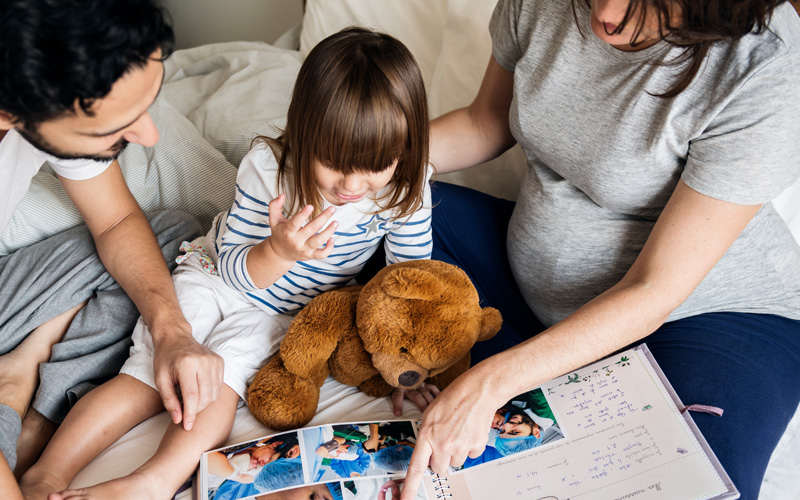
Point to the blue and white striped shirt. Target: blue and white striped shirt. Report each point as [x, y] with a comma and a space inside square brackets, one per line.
[360, 231]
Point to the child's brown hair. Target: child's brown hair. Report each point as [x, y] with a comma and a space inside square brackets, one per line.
[357, 106]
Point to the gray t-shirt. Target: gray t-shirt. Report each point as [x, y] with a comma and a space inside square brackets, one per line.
[604, 154]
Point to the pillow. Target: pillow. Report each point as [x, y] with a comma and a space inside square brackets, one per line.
[232, 92]
[182, 171]
[419, 24]
[465, 53]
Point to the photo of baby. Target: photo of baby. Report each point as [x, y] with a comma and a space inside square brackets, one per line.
[358, 450]
[260, 466]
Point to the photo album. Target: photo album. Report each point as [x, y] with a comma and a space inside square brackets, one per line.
[614, 429]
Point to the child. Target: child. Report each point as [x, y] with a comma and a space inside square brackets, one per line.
[353, 155]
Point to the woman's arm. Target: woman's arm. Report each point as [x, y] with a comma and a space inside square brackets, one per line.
[689, 238]
[468, 136]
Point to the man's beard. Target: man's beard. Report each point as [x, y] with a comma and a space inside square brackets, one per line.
[40, 143]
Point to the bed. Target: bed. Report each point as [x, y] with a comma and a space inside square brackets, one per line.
[217, 97]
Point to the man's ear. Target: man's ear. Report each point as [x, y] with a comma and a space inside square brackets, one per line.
[7, 120]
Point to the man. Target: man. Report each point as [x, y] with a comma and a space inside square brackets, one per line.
[76, 80]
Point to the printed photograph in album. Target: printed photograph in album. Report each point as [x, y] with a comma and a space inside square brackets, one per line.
[358, 461]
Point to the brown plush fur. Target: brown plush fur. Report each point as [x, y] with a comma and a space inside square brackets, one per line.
[414, 322]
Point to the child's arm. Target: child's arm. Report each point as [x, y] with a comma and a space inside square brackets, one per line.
[411, 239]
[254, 228]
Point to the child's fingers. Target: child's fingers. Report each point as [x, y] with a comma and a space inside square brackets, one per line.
[276, 210]
[300, 217]
[398, 395]
[320, 239]
[318, 222]
[433, 389]
[321, 253]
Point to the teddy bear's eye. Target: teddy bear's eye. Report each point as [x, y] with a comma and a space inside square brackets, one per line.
[403, 350]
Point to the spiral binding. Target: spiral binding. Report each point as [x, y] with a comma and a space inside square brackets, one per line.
[440, 485]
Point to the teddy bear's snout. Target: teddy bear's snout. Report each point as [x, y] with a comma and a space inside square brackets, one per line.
[408, 378]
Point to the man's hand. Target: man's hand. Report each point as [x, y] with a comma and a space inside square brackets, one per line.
[422, 397]
[185, 370]
[129, 250]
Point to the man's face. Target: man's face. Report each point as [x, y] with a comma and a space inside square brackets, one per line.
[119, 118]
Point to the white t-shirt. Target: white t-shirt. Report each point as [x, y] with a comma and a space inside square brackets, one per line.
[20, 161]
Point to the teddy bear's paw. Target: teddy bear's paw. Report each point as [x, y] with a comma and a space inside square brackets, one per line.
[280, 400]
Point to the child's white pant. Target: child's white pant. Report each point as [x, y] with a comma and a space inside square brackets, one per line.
[223, 320]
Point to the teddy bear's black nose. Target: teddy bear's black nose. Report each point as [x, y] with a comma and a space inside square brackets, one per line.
[408, 378]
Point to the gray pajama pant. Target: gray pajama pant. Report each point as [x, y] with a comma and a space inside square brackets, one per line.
[39, 282]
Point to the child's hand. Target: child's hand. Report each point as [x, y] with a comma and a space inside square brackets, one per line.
[393, 486]
[291, 241]
[421, 397]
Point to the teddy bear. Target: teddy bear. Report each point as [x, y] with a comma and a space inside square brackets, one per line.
[414, 322]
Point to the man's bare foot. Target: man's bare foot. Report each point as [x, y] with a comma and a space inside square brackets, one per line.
[19, 369]
[36, 433]
[137, 486]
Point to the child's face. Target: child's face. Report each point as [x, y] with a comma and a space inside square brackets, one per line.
[338, 189]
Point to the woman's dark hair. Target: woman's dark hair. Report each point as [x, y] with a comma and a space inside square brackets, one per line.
[702, 23]
[54, 52]
[358, 105]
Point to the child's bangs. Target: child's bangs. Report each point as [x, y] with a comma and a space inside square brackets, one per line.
[358, 136]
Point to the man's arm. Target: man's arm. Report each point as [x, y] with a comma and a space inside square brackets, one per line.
[129, 250]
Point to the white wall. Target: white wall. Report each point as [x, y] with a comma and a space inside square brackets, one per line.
[197, 22]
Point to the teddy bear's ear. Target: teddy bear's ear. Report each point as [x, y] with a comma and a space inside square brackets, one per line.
[491, 321]
[409, 283]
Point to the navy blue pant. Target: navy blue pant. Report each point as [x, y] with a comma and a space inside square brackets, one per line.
[746, 364]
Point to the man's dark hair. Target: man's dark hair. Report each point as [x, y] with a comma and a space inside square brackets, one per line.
[54, 52]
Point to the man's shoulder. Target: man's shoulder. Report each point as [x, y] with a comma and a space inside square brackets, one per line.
[17, 154]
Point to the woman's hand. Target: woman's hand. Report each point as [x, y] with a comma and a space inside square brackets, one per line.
[291, 241]
[422, 397]
[454, 426]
